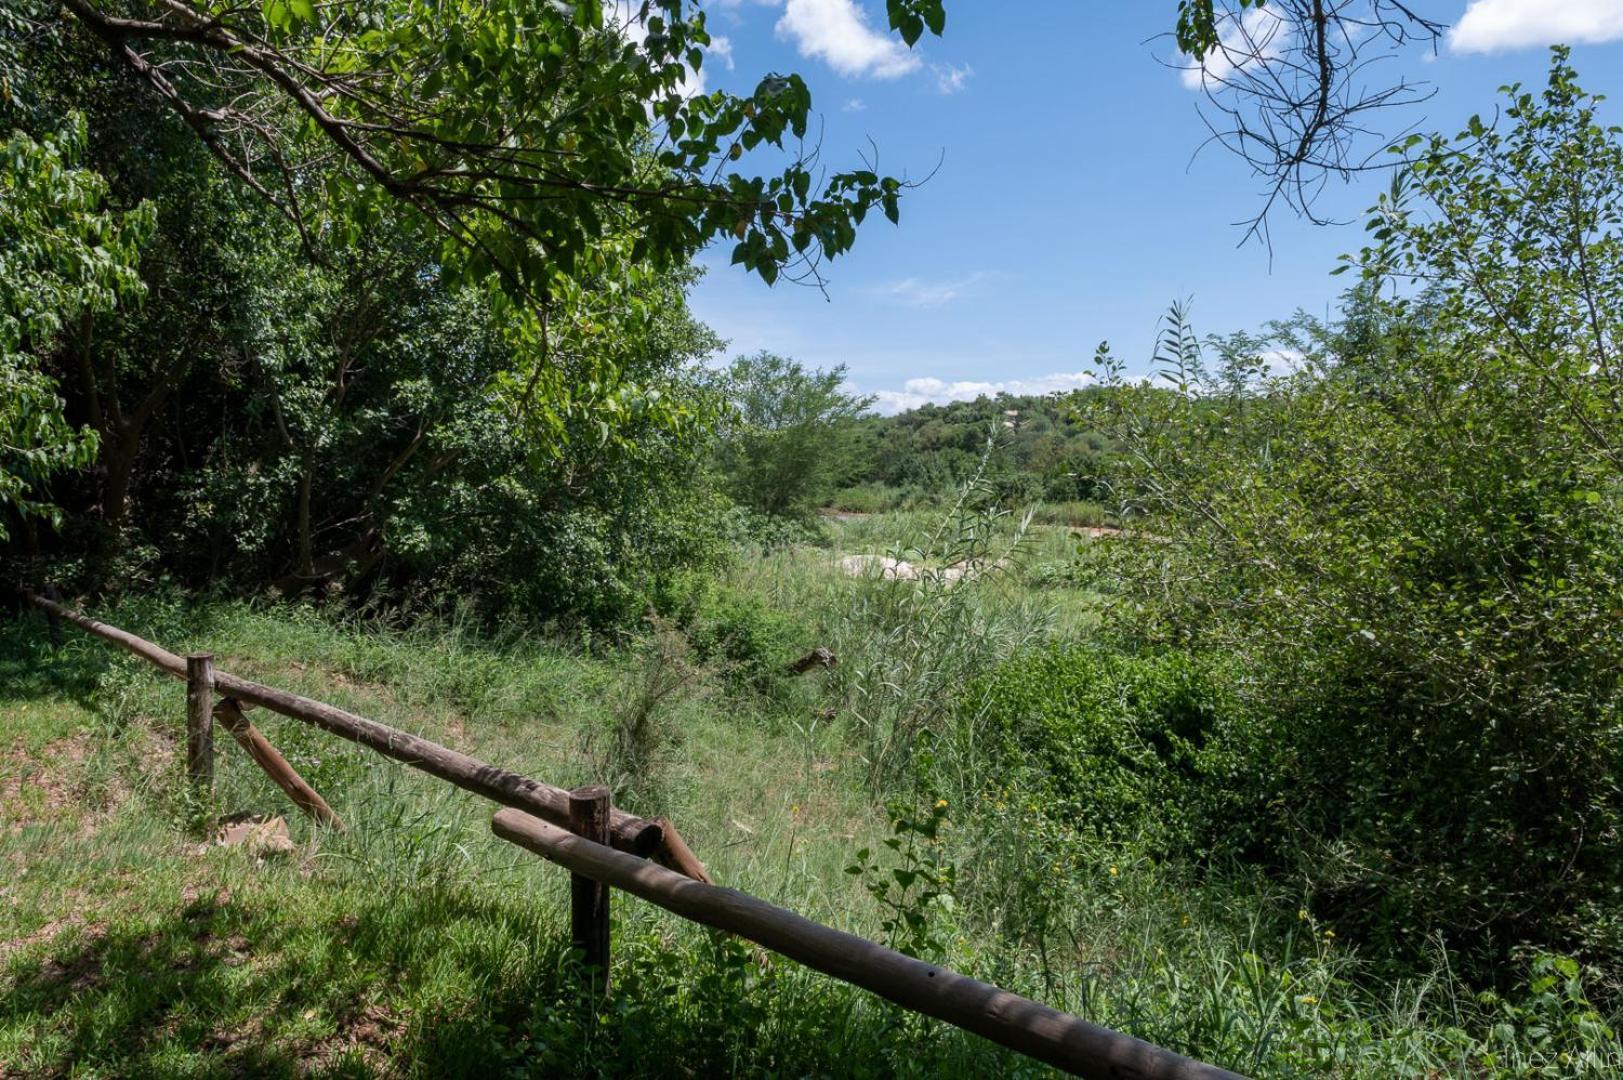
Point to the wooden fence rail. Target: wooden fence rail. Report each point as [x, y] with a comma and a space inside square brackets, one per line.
[627, 832]
[1060, 1039]
[602, 847]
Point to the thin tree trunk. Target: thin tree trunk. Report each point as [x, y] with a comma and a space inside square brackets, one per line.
[306, 553]
[118, 460]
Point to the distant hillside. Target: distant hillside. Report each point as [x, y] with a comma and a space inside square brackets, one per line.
[1043, 453]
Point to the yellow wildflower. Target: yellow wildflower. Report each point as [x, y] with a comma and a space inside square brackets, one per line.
[1114, 871]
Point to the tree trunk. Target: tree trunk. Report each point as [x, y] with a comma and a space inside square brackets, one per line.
[306, 554]
[118, 465]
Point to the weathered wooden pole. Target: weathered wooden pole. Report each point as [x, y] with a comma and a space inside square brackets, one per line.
[53, 621]
[678, 856]
[629, 833]
[588, 898]
[200, 720]
[1064, 1041]
[305, 797]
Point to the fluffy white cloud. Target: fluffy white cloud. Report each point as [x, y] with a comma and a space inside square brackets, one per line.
[1280, 362]
[854, 105]
[1495, 25]
[721, 47]
[950, 78]
[1258, 36]
[837, 32]
[916, 292]
[930, 390]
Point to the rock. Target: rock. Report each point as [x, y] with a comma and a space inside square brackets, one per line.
[886, 567]
[257, 836]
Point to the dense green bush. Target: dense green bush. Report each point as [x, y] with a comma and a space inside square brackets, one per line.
[1413, 547]
[734, 630]
[365, 426]
[1119, 745]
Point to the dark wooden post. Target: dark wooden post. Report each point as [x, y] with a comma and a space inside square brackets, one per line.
[200, 720]
[588, 899]
[53, 621]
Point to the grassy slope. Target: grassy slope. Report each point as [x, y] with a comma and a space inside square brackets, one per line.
[417, 944]
[416, 941]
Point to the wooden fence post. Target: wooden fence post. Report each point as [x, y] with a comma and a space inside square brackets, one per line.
[200, 720]
[53, 621]
[305, 797]
[589, 899]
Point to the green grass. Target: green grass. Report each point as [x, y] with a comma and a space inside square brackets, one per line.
[418, 944]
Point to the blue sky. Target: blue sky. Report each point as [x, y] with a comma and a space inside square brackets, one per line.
[1066, 208]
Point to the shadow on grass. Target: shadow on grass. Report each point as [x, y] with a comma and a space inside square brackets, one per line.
[41, 663]
[444, 981]
[33, 668]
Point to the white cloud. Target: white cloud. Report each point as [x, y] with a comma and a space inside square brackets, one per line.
[721, 47]
[1258, 36]
[950, 78]
[837, 32]
[854, 105]
[916, 292]
[930, 390]
[1495, 25]
[1283, 361]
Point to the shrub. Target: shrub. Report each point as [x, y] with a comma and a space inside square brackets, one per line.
[734, 630]
[1412, 546]
[1116, 744]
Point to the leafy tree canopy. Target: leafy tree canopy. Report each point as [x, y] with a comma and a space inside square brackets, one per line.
[788, 441]
[63, 256]
[521, 132]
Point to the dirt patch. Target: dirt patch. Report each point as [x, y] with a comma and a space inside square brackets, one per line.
[48, 932]
[371, 1032]
[80, 972]
[35, 788]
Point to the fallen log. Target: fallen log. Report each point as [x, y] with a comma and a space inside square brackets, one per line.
[819, 657]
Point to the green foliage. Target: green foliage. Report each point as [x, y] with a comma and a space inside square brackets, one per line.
[365, 426]
[645, 733]
[916, 894]
[1117, 745]
[1411, 547]
[787, 443]
[1196, 31]
[516, 134]
[416, 942]
[746, 639]
[926, 453]
[910, 644]
[64, 256]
